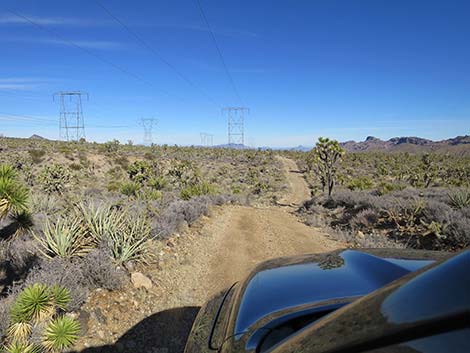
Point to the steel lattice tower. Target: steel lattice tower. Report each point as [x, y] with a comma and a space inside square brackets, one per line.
[148, 125]
[236, 124]
[71, 121]
[206, 139]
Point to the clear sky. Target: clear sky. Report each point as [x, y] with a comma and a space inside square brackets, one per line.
[341, 68]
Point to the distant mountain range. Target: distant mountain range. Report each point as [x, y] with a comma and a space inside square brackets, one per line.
[410, 144]
[403, 144]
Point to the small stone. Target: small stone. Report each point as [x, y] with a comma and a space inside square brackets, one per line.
[139, 280]
[99, 316]
[359, 234]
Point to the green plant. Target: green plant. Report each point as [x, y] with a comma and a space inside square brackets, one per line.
[131, 241]
[459, 199]
[139, 171]
[40, 308]
[199, 189]
[158, 183]
[7, 172]
[127, 236]
[325, 157]
[130, 188]
[36, 155]
[20, 347]
[360, 183]
[100, 221]
[55, 178]
[64, 238]
[13, 195]
[60, 334]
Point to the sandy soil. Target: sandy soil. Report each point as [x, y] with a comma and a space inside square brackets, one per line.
[209, 257]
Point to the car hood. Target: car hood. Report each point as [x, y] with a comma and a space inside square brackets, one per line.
[346, 274]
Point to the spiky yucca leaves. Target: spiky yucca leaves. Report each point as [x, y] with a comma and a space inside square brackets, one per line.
[127, 236]
[132, 241]
[459, 199]
[63, 238]
[23, 221]
[101, 220]
[34, 303]
[21, 347]
[61, 333]
[36, 312]
[7, 171]
[13, 196]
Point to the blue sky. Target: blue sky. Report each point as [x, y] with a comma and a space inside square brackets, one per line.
[341, 68]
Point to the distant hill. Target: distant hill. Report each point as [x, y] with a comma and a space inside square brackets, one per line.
[37, 137]
[408, 144]
[237, 146]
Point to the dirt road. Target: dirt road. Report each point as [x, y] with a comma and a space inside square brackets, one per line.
[223, 249]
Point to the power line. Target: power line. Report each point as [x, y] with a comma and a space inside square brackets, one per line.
[145, 45]
[37, 120]
[25, 117]
[91, 53]
[232, 82]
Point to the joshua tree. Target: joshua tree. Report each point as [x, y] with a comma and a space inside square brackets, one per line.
[325, 157]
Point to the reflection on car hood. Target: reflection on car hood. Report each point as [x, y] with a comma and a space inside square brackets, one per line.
[348, 274]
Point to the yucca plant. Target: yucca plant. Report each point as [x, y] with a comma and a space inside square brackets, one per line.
[132, 241]
[23, 221]
[33, 304]
[61, 333]
[100, 221]
[7, 171]
[38, 312]
[459, 199]
[63, 238]
[21, 347]
[13, 196]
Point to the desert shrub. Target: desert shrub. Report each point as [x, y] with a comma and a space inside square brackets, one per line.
[123, 161]
[40, 308]
[36, 155]
[21, 254]
[110, 146]
[385, 188]
[55, 178]
[129, 188]
[13, 195]
[179, 213]
[75, 166]
[360, 183]
[100, 272]
[199, 189]
[149, 194]
[64, 238]
[184, 172]
[139, 171]
[459, 199]
[365, 219]
[158, 183]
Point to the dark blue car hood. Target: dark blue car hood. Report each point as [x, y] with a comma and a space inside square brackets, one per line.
[344, 275]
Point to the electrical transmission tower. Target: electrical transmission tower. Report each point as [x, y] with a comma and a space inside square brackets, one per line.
[206, 139]
[236, 124]
[71, 122]
[148, 124]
